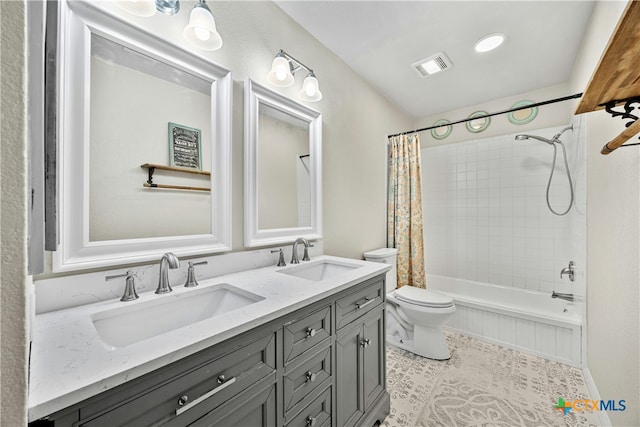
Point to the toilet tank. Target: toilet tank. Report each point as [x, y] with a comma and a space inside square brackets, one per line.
[386, 256]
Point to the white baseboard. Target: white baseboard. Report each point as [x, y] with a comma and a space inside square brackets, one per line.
[595, 395]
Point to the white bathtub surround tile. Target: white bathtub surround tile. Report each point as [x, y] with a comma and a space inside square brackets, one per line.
[497, 207]
[482, 384]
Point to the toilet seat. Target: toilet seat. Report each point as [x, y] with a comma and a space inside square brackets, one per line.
[423, 297]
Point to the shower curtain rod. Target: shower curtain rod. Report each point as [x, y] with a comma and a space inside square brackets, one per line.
[468, 119]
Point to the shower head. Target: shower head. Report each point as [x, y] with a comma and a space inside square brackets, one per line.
[556, 137]
[539, 138]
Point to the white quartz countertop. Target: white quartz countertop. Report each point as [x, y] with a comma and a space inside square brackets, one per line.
[70, 362]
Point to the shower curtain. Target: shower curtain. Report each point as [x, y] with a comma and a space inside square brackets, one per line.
[404, 211]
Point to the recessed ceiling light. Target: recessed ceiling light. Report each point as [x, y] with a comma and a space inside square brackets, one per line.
[489, 42]
[433, 64]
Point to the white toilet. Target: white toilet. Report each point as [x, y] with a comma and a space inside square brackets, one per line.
[414, 315]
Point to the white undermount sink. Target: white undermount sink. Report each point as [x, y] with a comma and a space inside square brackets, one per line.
[122, 326]
[319, 270]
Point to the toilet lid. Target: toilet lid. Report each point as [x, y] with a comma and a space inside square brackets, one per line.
[423, 297]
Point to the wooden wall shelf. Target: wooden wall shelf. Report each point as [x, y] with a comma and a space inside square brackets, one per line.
[152, 167]
[617, 77]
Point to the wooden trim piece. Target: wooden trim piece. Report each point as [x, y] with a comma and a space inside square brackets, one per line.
[622, 138]
[175, 187]
[617, 76]
[175, 169]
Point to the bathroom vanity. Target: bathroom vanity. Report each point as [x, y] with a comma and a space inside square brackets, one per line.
[310, 352]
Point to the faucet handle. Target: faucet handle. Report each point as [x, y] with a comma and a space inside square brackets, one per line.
[305, 255]
[281, 262]
[191, 275]
[130, 293]
[570, 271]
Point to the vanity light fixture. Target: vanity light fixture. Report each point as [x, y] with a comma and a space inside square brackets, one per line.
[200, 31]
[281, 74]
[489, 42]
[282, 69]
[310, 91]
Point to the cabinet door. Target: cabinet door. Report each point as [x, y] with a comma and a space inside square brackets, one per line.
[373, 366]
[350, 399]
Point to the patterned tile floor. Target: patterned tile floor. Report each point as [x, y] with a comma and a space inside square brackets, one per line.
[482, 385]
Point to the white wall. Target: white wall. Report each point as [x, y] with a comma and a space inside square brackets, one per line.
[13, 215]
[279, 149]
[613, 240]
[486, 217]
[121, 142]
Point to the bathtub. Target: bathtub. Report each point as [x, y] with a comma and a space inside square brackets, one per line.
[525, 320]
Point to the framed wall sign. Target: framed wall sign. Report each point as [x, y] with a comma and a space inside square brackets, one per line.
[185, 146]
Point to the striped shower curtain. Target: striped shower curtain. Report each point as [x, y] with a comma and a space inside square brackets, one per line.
[404, 210]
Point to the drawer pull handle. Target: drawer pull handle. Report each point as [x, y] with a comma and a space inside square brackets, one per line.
[205, 396]
[183, 400]
[366, 303]
[311, 421]
[365, 342]
[311, 332]
[311, 377]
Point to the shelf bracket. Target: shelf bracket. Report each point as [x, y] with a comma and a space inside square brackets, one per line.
[151, 171]
[628, 108]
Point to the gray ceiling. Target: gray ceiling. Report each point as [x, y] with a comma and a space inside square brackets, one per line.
[381, 39]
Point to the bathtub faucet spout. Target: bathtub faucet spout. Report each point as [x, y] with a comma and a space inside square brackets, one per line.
[566, 297]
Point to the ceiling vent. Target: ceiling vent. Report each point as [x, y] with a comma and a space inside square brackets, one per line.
[432, 65]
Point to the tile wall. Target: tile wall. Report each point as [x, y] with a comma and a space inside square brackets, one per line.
[486, 217]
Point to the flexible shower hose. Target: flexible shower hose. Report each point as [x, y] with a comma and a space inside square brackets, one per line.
[553, 167]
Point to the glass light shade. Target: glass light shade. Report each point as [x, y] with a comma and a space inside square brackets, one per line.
[489, 42]
[201, 30]
[310, 89]
[145, 8]
[280, 74]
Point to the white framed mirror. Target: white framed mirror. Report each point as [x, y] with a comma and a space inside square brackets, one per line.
[282, 169]
[128, 99]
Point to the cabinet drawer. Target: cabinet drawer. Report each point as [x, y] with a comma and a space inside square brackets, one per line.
[300, 335]
[197, 391]
[356, 304]
[255, 407]
[310, 374]
[317, 414]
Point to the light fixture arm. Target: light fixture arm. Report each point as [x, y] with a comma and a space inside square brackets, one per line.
[295, 64]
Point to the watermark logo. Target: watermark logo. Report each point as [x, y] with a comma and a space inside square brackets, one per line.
[585, 405]
[563, 406]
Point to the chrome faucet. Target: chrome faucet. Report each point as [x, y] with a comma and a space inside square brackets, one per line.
[168, 261]
[294, 254]
[566, 297]
[570, 270]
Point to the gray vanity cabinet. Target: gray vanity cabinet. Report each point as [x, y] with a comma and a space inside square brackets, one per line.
[360, 370]
[322, 366]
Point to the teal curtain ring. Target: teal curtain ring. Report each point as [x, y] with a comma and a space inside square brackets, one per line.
[522, 117]
[443, 130]
[475, 126]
